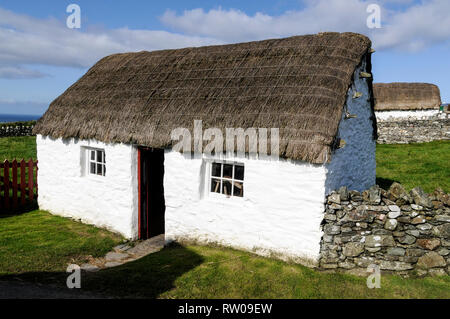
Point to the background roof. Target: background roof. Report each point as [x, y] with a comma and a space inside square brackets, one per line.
[406, 96]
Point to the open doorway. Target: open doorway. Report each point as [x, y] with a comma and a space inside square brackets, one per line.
[151, 192]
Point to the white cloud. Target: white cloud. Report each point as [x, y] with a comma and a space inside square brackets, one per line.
[234, 25]
[416, 27]
[27, 40]
[18, 72]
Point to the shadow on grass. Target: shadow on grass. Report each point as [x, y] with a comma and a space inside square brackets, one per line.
[385, 183]
[147, 277]
[29, 207]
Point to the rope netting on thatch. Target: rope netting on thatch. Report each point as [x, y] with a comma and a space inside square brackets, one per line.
[297, 84]
[406, 96]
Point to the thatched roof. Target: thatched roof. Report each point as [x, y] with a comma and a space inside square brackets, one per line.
[297, 84]
[406, 96]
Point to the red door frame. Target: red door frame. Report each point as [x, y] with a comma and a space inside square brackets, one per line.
[139, 193]
[144, 159]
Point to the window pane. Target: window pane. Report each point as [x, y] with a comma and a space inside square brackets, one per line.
[100, 156]
[104, 169]
[92, 168]
[215, 170]
[99, 169]
[226, 188]
[239, 172]
[215, 185]
[227, 171]
[92, 155]
[238, 189]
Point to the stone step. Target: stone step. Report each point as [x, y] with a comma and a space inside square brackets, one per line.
[125, 253]
[113, 256]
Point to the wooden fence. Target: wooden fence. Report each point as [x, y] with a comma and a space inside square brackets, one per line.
[18, 184]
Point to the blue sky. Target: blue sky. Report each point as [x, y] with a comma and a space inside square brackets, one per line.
[40, 57]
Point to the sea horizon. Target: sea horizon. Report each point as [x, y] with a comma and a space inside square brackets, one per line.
[9, 118]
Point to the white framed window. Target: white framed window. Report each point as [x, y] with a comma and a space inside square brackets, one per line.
[96, 162]
[227, 179]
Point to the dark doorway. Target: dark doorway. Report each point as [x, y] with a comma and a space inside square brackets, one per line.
[151, 192]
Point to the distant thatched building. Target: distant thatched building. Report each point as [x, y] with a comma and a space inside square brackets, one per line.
[105, 145]
[397, 101]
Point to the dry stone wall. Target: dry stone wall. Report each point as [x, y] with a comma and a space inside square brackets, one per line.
[413, 131]
[398, 231]
[9, 130]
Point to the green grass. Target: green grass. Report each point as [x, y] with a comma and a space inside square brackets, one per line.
[426, 165]
[40, 242]
[38, 247]
[216, 272]
[17, 148]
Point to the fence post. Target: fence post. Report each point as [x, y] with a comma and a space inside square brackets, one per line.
[14, 184]
[36, 164]
[22, 182]
[6, 183]
[1, 186]
[30, 180]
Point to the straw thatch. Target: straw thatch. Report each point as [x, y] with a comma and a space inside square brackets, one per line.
[406, 96]
[297, 84]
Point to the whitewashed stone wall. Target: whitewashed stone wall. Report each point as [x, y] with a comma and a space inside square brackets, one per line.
[406, 115]
[14, 129]
[65, 189]
[280, 213]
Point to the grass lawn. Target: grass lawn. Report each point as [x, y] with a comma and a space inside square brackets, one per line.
[40, 242]
[426, 165]
[216, 272]
[17, 148]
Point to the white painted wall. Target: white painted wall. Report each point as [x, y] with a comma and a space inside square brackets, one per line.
[405, 115]
[354, 165]
[65, 189]
[280, 213]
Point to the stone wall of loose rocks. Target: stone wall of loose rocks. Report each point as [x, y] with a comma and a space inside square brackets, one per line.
[413, 131]
[12, 129]
[399, 231]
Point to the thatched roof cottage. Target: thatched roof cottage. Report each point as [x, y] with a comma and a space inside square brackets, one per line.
[106, 145]
[400, 101]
